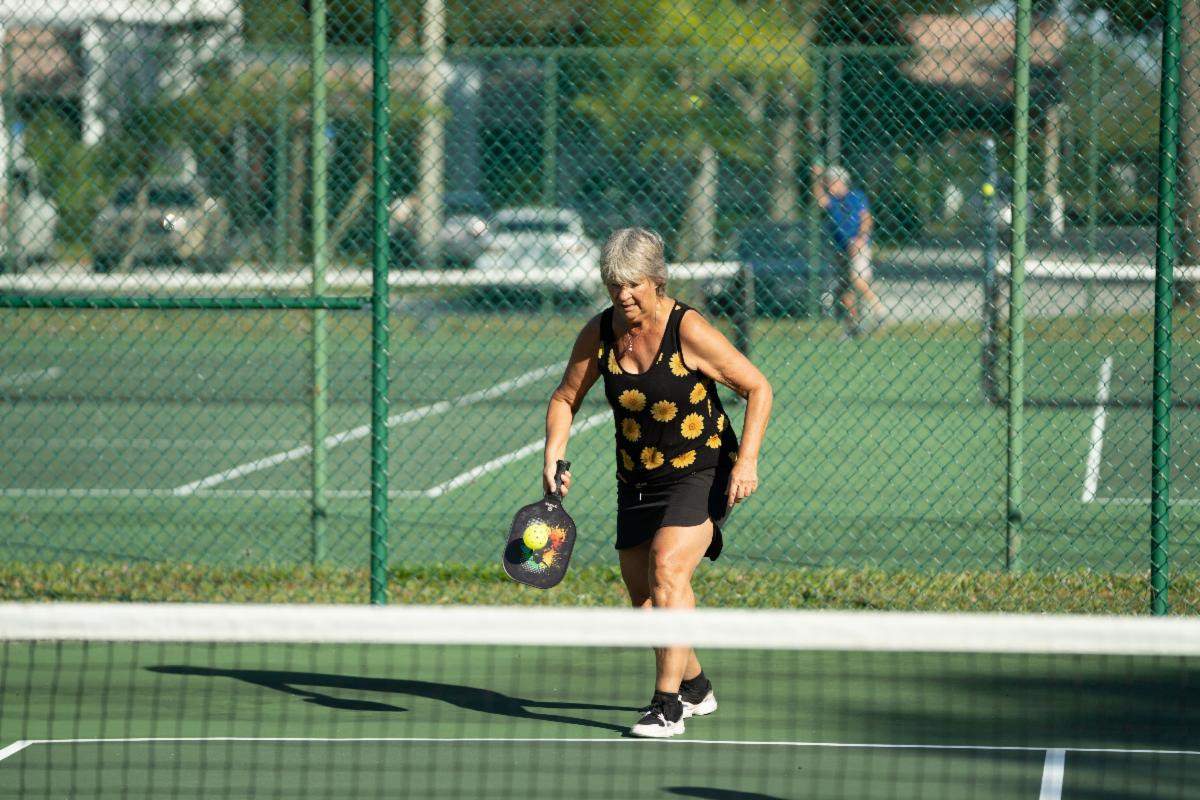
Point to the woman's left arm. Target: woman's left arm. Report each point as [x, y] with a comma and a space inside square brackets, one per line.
[707, 349]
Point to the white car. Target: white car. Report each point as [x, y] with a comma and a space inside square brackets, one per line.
[540, 247]
[464, 232]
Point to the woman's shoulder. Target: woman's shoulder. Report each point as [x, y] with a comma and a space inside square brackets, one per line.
[691, 322]
[593, 329]
[699, 338]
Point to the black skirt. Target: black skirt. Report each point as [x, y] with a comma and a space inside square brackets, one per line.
[690, 500]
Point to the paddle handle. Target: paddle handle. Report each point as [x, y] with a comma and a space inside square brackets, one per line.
[560, 467]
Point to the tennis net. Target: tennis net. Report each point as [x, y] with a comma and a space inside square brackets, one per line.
[283, 701]
[1089, 335]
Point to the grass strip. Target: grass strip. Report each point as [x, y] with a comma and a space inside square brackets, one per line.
[1081, 591]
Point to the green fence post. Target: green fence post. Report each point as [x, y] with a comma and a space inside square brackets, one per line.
[320, 162]
[11, 259]
[1093, 169]
[282, 164]
[833, 116]
[1014, 517]
[991, 285]
[813, 254]
[1093, 154]
[550, 133]
[380, 161]
[746, 308]
[1164, 264]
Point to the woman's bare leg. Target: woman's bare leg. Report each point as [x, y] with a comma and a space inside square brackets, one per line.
[674, 555]
[635, 571]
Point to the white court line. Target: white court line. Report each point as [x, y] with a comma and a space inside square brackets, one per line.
[472, 474]
[1052, 774]
[457, 482]
[1091, 476]
[14, 748]
[147, 444]
[363, 431]
[613, 741]
[26, 378]
[269, 494]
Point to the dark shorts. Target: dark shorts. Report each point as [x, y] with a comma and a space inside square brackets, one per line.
[691, 500]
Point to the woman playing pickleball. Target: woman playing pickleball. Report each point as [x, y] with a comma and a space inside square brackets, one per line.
[680, 468]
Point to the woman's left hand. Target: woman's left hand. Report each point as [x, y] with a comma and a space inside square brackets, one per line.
[743, 481]
[549, 472]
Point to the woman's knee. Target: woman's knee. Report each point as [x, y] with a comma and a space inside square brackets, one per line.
[669, 577]
[676, 593]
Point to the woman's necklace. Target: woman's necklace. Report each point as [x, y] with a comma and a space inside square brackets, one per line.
[632, 337]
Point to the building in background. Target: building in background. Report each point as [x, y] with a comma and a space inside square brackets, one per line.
[963, 70]
[100, 58]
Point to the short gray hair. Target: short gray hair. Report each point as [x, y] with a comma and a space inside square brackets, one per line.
[836, 173]
[631, 254]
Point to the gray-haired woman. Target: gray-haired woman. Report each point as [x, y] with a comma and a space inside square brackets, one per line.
[680, 467]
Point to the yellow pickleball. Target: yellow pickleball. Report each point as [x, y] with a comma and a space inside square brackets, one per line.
[536, 535]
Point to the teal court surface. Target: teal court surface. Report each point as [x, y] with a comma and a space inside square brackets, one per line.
[177, 720]
[180, 436]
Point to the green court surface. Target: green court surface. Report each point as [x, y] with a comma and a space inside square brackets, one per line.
[175, 720]
[182, 436]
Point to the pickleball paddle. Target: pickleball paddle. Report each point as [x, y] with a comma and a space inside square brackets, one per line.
[526, 560]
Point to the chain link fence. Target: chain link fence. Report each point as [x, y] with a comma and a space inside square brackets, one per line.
[198, 200]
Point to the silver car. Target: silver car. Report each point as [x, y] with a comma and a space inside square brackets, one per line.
[464, 232]
[175, 223]
[532, 245]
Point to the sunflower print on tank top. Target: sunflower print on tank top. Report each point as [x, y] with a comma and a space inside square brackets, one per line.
[669, 419]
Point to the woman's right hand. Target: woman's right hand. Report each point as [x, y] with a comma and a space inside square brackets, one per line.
[548, 473]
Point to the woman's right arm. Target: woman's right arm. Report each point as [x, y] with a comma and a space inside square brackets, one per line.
[818, 186]
[582, 371]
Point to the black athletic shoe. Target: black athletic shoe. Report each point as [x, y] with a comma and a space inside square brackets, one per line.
[661, 720]
[705, 705]
[697, 696]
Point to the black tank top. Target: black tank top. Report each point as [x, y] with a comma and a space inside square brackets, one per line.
[669, 419]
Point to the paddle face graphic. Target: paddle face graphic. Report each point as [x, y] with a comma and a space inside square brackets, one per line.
[538, 547]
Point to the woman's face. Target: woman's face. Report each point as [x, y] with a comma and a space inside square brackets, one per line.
[636, 302]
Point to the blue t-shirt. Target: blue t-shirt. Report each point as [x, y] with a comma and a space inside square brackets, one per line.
[845, 216]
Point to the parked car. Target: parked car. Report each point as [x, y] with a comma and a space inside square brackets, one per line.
[783, 279]
[464, 234]
[182, 224]
[33, 223]
[527, 241]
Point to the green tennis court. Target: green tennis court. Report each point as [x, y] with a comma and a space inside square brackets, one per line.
[176, 720]
[127, 445]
